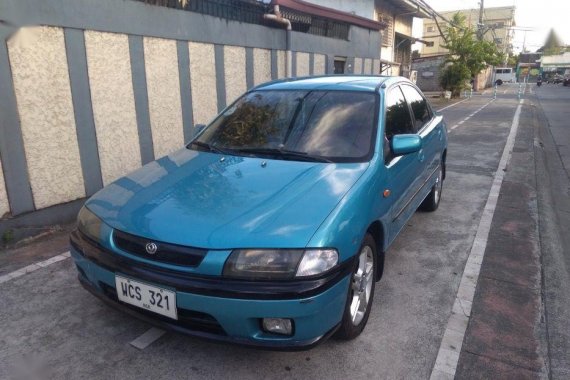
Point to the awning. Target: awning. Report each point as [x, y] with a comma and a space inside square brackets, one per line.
[333, 14]
[416, 8]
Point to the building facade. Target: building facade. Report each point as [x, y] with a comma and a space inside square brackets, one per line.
[555, 64]
[397, 40]
[497, 23]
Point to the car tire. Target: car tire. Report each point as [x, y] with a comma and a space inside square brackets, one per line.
[431, 203]
[498, 82]
[360, 288]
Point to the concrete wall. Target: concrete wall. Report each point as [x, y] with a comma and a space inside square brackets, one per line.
[204, 94]
[302, 64]
[113, 102]
[428, 72]
[403, 24]
[234, 71]
[367, 66]
[261, 66]
[104, 87]
[163, 84]
[41, 83]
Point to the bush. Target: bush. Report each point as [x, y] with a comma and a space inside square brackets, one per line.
[455, 78]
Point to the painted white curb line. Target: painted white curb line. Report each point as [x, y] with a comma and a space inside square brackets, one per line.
[33, 267]
[451, 105]
[147, 338]
[470, 116]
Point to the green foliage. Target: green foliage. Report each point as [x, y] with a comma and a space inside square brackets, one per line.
[467, 55]
[513, 60]
[7, 237]
[454, 78]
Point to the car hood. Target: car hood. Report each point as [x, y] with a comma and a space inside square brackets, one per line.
[207, 200]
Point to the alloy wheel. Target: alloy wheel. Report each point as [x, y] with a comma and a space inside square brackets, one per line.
[362, 282]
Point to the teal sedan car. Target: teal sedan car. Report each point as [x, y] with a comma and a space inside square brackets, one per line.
[269, 228]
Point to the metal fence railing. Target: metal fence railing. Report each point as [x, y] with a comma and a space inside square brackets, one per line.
[320, 26]
[252, 11]
[248, 11]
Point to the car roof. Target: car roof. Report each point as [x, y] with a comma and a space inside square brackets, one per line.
[366, 83]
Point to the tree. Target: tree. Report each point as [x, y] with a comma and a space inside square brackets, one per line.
[553, 44]
[513, 60]
[467, 55]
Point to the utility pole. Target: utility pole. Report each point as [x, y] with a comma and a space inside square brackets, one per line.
[480, 26]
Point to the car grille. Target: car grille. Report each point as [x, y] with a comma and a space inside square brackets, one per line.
[165, 252]
[187, 319]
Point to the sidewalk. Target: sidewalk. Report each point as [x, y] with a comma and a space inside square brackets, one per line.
[505, 337]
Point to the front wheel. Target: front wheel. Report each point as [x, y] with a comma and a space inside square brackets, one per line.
[431, 203]
[360, 292]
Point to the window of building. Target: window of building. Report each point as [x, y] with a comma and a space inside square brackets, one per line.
[339, 65]
[498, 41]
[431, 29]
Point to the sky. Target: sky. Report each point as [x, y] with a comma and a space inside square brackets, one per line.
[540, 15]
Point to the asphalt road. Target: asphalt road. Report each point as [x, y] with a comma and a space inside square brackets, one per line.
[553, 169]
[52, 328]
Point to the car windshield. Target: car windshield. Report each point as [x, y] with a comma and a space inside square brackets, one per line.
[329, 126]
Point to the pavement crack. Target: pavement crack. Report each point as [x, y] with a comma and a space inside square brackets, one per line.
[533, 288]
[462, 308]
[504, 361]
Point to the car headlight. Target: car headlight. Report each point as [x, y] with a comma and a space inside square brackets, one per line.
[89, 224]
[279, 263]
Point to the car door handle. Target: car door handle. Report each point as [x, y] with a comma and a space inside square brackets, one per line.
[421, 156]
[439, 134]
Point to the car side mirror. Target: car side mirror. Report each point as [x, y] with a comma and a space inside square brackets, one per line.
[198, 128]
[405, 144]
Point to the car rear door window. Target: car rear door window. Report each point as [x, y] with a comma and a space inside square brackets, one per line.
[398, 120]
[418, 105]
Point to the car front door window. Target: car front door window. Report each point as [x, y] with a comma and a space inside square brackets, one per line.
[398, 120]
[419, 106]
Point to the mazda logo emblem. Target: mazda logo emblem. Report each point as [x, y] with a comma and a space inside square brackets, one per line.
[151, 248]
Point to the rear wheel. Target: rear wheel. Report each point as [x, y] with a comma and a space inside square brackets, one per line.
[360, 292]
[431, 203]
[498, 82]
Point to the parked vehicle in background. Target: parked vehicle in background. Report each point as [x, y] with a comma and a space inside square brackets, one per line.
[554, 79]
[566, 81]
[269, 228]
[504, 75]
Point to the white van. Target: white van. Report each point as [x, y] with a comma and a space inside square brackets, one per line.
[504, 74]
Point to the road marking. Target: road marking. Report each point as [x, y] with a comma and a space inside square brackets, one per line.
[33, 267]
[147, 338]
[451, 105]
[450, 348]
[470, 116]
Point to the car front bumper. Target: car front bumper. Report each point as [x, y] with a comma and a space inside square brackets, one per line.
[220, 309]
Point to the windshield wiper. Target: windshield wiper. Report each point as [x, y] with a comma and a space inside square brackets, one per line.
[285, 153]
[210, 147]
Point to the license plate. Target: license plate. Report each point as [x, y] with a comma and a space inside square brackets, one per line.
[148, 297]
